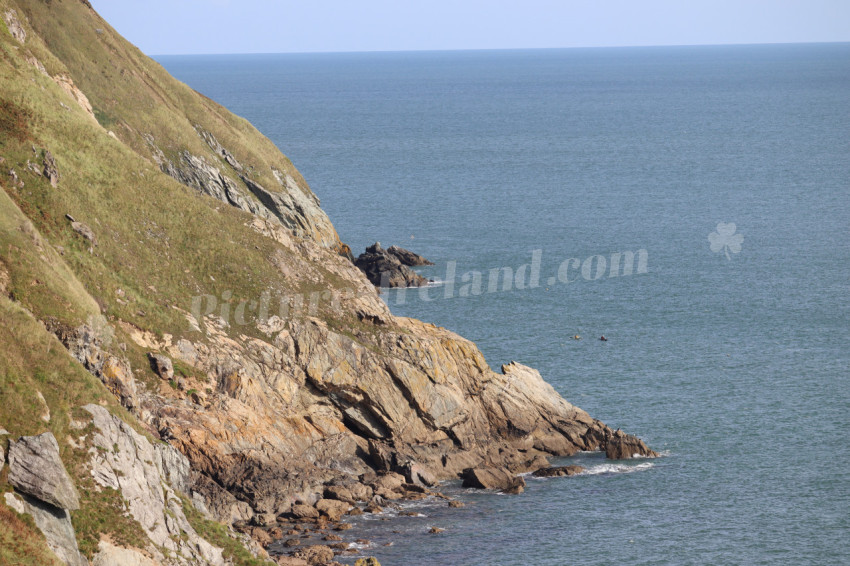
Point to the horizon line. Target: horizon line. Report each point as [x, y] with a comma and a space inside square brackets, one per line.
[478, 49]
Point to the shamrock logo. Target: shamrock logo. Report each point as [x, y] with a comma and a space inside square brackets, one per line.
[725, 239]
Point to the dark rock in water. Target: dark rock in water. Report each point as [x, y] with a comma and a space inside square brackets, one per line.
[36, 469]
[493, 478]
[384, 269]
[621, 446]
[558, 471]
[407, 257]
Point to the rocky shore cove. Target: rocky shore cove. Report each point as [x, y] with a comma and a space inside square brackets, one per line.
[277, 429]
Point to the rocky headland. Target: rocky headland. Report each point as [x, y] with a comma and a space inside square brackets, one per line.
[155, 408]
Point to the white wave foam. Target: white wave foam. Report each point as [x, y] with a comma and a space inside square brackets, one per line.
[616, 469]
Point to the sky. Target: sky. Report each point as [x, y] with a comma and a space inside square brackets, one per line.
[161, 27]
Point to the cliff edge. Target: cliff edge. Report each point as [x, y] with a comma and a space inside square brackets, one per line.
[180, 316]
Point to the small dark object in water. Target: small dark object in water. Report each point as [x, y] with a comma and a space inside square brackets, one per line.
[603, 339]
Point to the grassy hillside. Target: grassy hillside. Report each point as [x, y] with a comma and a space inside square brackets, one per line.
[157, 243]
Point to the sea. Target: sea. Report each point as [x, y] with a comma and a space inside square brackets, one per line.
[690, 204]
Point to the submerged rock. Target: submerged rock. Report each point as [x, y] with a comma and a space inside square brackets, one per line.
[559, 471]
[385, 269]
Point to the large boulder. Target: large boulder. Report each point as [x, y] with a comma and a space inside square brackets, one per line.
[161, 365]
[385, 270]
[333, 509]
[36, 469]
[300, 511]
[493, 478]
[621, 446]
[315, 555]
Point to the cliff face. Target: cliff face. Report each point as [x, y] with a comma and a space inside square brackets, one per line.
[178, 271]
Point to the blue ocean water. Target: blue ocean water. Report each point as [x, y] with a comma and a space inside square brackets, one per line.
[733, 358]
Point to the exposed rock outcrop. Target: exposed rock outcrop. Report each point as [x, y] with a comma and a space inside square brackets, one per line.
[293, 206]
[88, 345]
[126, 461]
[67, 84]
[14, 26]
[54, 523]
[407, 257]
[621, 446]
[36, 469]
[161, 365]
[384, 269]
[50, 171]
[493, 478]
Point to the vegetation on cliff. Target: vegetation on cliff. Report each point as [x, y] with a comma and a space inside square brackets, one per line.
[168, 281]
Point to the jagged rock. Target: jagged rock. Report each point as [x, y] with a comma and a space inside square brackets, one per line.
[455, 504]
[86, 344]
[385, 270]
[14, 26]
[54, 523]
[118, 378]
[84, 231]
[407, 257]
[315, 555]
[559, 471]
[295, 207]
[360, 492]
[391, 481]
[66, 83]
[371, 561]
[332, 508]
[161, 365]
[291, 561]
[418, 474]
[50, 171]
[493, 478]
[36, 469]
[126, 461]
[622, 446]
[109, 555]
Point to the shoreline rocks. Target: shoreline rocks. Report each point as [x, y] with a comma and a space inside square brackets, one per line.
[493, 478]
[386, 268]
[622, 446]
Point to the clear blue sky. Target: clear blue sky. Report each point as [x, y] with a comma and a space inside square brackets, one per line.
[283, 26]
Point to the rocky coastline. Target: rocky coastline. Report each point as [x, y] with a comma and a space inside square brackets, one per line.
[144, 430]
